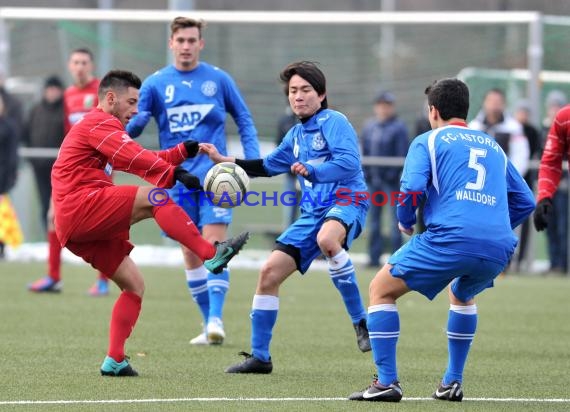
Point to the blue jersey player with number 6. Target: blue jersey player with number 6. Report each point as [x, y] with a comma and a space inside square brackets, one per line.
[474, 200]
[189, 100]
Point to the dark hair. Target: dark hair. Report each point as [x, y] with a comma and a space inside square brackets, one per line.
[309, 72]
[83, 50]
[118, 79]
[53, 81]
[450, 97]
[185, 23]
[496, 90]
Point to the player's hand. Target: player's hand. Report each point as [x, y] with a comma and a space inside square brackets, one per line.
[190, 181]
[407, 231]
[192, 147]
[542, 213]
[212, 152]
[299, 168]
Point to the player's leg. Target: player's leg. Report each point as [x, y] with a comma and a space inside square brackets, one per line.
[214, 222]
[123, 318]
[208, 289]
[197, 281]
[51, 282]
[218, 286]
[177, 225]
[384, 329]
[461, 327]
[295, 249]
[265, 306]
[462, 322]
[332, 238]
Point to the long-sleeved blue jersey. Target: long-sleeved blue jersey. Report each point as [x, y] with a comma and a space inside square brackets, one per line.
[193, 105]
[475, 196]
[328, 146]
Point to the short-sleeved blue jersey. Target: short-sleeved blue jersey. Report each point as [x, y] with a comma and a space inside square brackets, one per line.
[193, 105]
[474, 194]
[327, 143]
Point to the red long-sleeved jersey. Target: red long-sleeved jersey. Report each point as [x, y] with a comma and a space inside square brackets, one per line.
[557, 145]
[94, 147]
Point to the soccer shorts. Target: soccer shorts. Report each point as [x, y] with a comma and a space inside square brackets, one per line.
[428, 270]
[199, 207]
[302, 234]
[102, 238]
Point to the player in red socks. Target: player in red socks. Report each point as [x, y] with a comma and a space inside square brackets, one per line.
[93, 216]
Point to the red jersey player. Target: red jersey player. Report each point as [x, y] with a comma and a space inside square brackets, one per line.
[79, 99]
[93, 216]
[550, 170]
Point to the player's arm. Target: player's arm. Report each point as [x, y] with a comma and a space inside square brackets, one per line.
[413, 184]
[242, 116]
[182, 151]
[253, 167]
[137, 124]
[520, 197]
[345, 160]
[124, 154]
[550, 169]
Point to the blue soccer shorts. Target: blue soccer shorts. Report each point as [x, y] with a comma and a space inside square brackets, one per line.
[428, 270]
[302, 234]
[199, 207]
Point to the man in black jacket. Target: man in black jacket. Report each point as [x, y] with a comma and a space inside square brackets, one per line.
[45, 129]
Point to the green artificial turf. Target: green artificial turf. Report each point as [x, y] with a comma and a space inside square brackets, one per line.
[51, 346]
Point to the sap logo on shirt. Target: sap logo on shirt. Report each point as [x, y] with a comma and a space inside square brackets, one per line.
[185, 118]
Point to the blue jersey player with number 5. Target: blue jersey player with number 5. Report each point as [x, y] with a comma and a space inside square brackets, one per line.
[474, 200]
[190, 100]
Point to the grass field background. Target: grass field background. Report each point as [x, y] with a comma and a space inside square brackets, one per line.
[51, 346]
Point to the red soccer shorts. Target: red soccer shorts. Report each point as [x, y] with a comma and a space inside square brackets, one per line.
[102, 237]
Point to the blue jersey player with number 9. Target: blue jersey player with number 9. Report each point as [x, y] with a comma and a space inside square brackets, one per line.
[474, 200]
[190, 100]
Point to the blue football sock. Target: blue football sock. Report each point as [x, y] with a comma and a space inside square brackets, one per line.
[343, 276]
[263, 317]
[217, 288]
[461, 326]
[197, 280]
[384, 329]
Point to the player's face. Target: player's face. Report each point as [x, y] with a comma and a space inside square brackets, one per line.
[186, 45]
[494, 104]
[303, 98]
[80, 67]
[124, 104]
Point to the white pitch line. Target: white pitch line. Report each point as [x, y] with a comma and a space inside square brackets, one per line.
[180, 400]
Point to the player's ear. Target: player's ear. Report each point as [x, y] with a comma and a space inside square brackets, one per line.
[110, 97]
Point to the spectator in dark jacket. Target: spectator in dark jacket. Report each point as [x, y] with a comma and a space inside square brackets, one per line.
[383, 135]
[8, 154]
[45, 129]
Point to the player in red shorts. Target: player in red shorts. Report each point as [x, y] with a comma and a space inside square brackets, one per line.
[93, 216]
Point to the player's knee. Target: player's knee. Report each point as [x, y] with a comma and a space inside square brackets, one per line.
[380, 289]
[327, 244]
[267, 282]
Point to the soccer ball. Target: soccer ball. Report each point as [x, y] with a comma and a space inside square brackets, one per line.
[226, 184]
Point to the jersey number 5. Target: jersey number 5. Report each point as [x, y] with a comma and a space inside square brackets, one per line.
[474, 154]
